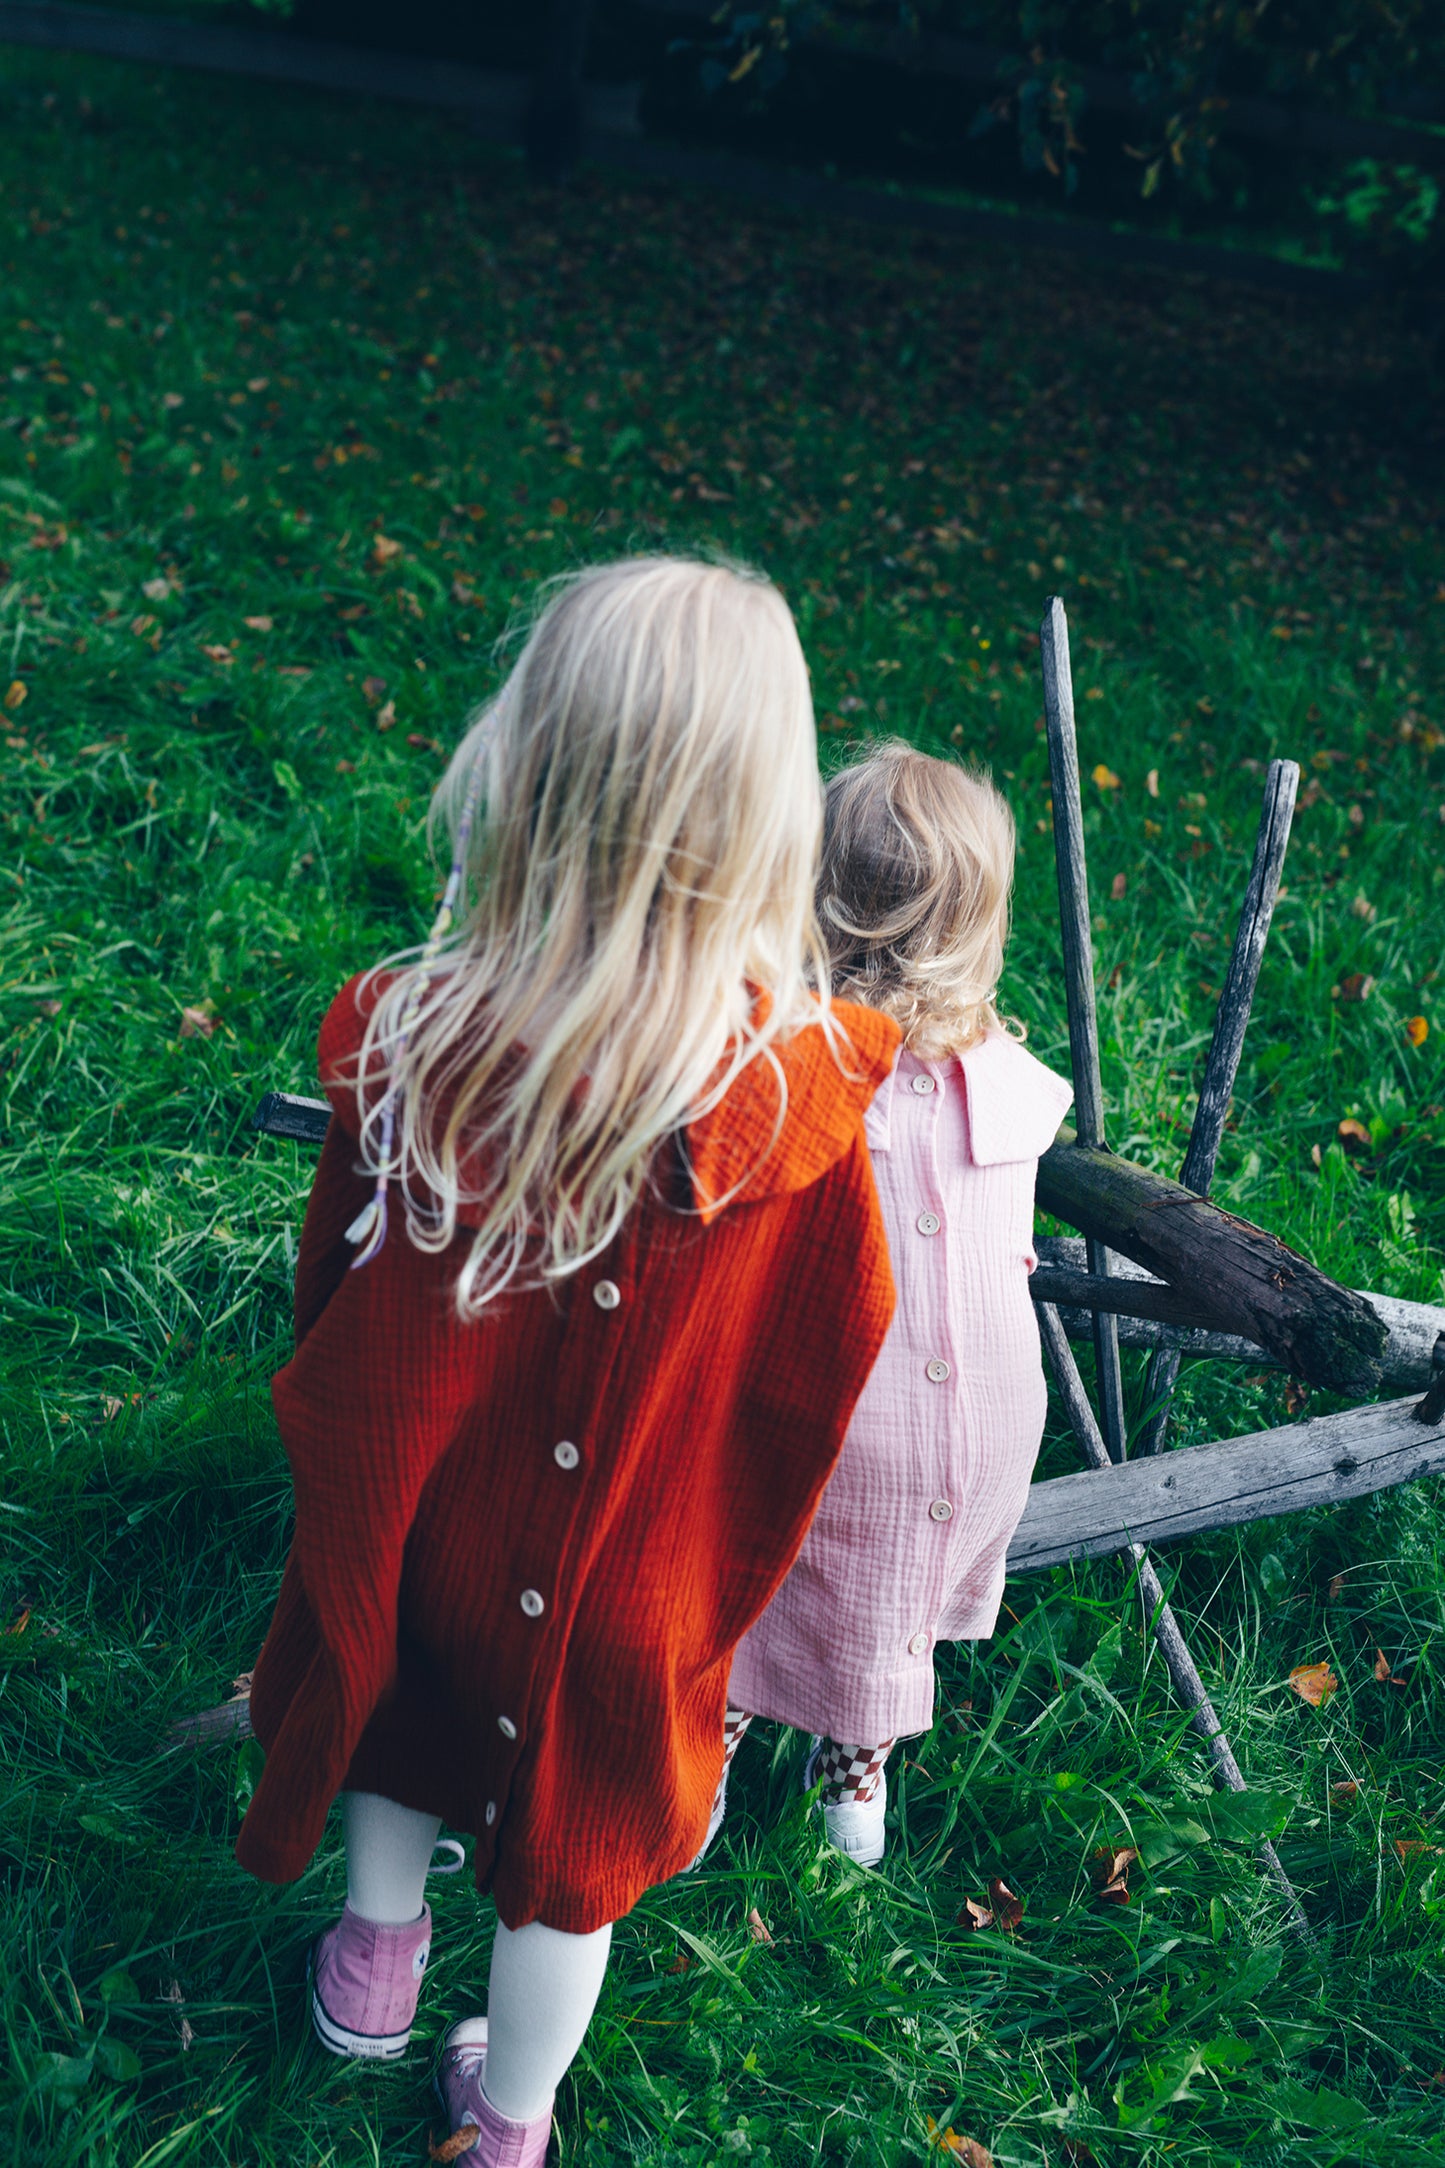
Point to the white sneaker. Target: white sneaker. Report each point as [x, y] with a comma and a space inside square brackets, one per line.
[854, 1826]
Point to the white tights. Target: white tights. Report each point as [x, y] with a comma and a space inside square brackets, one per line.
[544, 1984]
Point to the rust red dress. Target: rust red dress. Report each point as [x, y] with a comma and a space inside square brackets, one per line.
[526, 1547]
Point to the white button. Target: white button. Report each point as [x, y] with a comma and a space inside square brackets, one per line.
[607, 1294]
[918, 1646]
[928, 1223]
[532, 1603]
[491, 1813]
[940, 1510]
[506, 1727]
[922, 1084]
[938, 1370]
[566, 1454]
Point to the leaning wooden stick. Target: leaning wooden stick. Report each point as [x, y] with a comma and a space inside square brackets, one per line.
[1079, 973]
[1172, 1645]
[1222, 1065]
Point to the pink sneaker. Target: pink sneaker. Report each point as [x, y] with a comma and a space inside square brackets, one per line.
[365, 1981]
[498, 2141]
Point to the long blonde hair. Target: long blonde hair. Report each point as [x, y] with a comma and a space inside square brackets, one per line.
[641, 919]
[913, 894]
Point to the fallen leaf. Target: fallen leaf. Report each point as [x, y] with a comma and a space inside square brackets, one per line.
[386, 717]
[1109, 1867]
[1352, 1133]
[1314, 1683]
[197, 1023]
[965, 2149]
[47, 1008]
[757, 1927]
[1336, 1588]
[681, 1963]
[1118, 887]
[1344, 1792]
[1151, 782]
[1296, 1396]
[1417, 1030]
[974, 1915]
[384, 550]
[1363, 908]
[424, 744]
[1354, 986]
[141, 625]
[110, 1407]
[461, 2141]
[21, 1623]
[171, 400]
[156, 590]
[346, 767]
[1383, 1672]
[374, 689]
[1008, 1908]
[217, 652]
[259, 624]
[1410, 1847]
[17, 693]
[1105, 778]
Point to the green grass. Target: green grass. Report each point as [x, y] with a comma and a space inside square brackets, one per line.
[245, 333]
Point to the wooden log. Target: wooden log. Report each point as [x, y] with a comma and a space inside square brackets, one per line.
[1226, 1044]
[1411, 1327]
[284, 1114]
[1119, 1298]
[1079, 974]
[1241, 1279]
[1159, 1611]
[1226, 1484]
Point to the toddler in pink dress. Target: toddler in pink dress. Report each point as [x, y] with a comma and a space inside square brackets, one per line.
[909, 1543]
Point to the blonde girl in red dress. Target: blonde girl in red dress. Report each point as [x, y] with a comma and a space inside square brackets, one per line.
[591, 1277]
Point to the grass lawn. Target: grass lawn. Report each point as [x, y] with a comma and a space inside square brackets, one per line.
[301, 398]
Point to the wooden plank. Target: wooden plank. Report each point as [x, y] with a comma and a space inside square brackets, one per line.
[1226, 1044]
[1225, 1485]
[1078, 949]
[1412, 1327]
[1243, 1280]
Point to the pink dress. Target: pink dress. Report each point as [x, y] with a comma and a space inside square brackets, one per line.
[909, 1542]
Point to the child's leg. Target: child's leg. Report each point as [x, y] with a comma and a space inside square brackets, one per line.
[851, 1773]
[388, 1852]
[544, 1988]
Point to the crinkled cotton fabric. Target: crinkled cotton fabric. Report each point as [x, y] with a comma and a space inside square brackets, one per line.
[909, 1542]
[527, 1545]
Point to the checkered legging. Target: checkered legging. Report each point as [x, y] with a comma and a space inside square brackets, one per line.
[847, 1772]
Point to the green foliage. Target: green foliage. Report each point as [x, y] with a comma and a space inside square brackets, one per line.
[249, 333]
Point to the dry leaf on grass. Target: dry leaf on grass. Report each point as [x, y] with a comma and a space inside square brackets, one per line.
[156, 590]
[215, 652]
[954, 2142]
[197, 1023]
[1109, 1865]
[1354, 986]
[374, 688]
[1417, 1030]
[1119, 887]
[1008, 1907]
[1384, 1674]
[425, 744]
[1336, 1588]
[681, 1963]
[1296, 1395]
[1343, 1792]
[1105, 778]
[461, 2141]
[757, 1927]
[1313, 1683]
[386, 717]
[1353, 1134]
[384, 550]
[259, 624]
[1411, 1847]
[975, 1915]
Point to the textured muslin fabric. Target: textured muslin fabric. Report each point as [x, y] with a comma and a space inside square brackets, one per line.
[526, 1546]
[909, 1542]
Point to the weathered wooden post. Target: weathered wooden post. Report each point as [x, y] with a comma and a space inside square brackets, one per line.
[1079, 973]
[1225, 1047]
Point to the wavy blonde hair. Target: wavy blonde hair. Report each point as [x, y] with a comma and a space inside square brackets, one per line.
[914, 894]
[641, 873]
